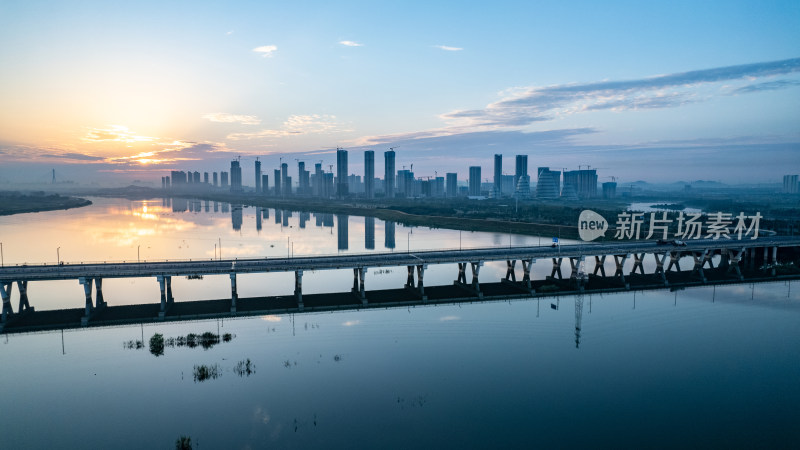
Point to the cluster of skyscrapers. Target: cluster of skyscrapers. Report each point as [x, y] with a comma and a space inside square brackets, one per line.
[568, 185]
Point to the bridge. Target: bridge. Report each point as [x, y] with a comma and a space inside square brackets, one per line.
[736, 262]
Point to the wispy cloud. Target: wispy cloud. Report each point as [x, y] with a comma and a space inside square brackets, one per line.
[115, 133]
[229, 33]
[232, 118]
[73, 156]
[766, 86]
[448, 48]
[266, 50]
[350, 44]
[296, 125]
[534, 104]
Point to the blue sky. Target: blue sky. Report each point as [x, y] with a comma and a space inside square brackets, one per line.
[136, 89]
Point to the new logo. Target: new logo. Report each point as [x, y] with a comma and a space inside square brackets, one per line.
[591, 225]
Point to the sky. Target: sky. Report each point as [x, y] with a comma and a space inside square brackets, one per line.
[655, 91]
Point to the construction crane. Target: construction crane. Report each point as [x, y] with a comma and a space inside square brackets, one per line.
[392, 148]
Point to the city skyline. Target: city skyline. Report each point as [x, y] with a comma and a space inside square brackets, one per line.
[103, 93]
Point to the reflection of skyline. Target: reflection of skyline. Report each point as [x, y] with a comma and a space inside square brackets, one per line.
[282, 218]
[389, 238]
[236, 217]
[342, 231]
[369, 233]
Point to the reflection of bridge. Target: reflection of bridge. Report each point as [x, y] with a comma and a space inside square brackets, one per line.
[736, 261]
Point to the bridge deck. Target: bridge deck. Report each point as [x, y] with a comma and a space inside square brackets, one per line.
[43, 272]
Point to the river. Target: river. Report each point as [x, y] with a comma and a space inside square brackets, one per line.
[699, 367]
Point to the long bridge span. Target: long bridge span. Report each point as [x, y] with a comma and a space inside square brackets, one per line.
[738, 261]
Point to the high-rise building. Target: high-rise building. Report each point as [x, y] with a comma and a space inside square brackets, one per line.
[276, 176]
[498, 176]
[341, 173]
[258, 176]
[388, 174]
[584, 182]
[302, 178]
[216, 179]
[451, 184]
[236, 177]
[178, 177]
[548, 185]
[609, 189]
[205, 177]
[521, 168]
[264, 184]
[317, 181]
[196, 177]
[438, 187]
[223, 179]
[286, 181]
[475, 181]
[369, 174]
[790, 185]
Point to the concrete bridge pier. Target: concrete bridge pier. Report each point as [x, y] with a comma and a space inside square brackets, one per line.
[24, 306]
[298, 288]
[417, 288]
[358, 284]
[638, 263]
[99, 301]
[774, 259]
[165, 286]
[91, 307]
[474, 287]
[511, 276]
[575, 265]
[410, 279]
[674, 261]
[527, 265]
[732, 260]
[600, 265]
[510, 272]
[660, 267]
[476, 269]
[5, 290]
[420, 284]
[234, 292]
[462, 273]
[556, 268]
[87, 291]
[619, 262]
[700, 260]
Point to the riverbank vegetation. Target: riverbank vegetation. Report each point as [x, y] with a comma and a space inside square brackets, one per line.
[14, 202]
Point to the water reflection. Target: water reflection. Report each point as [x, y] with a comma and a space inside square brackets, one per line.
[236, 217]
[369, 233]
[389, 240]
[342, 231]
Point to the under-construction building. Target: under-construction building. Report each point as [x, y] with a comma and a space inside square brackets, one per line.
[584, 182]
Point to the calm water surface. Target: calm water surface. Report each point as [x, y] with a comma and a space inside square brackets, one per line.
[711, 367]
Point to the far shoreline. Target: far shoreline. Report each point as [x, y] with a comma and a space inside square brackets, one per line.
[13, 202]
